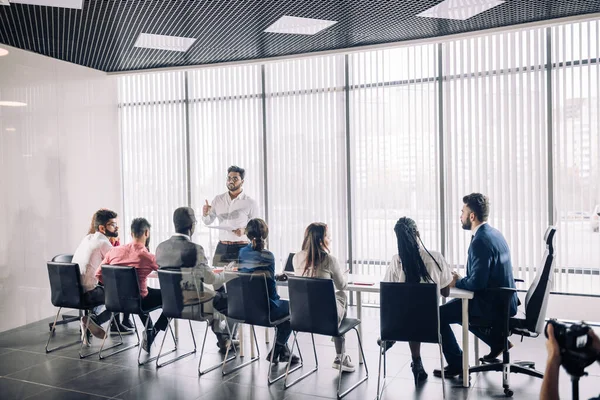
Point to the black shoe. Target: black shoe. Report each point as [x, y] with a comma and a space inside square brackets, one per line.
[117, 327]
[494, 354]
[386, 346]
[449, 372]
[418, 370]
[127, 324]
[285, 355]
[147, 339]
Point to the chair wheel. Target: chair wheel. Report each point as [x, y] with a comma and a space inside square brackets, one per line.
[508, 392]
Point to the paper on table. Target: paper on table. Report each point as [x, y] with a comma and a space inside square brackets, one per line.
[223, 228]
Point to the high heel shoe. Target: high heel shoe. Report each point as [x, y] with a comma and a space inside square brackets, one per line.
[418, 371]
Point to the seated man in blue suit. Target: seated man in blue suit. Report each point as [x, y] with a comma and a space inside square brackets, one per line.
[488, 266]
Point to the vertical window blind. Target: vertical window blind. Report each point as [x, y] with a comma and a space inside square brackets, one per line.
[226, 128]
[576, 132]
[306, 156]
[153, 137]
[495, 132]
[394, 152]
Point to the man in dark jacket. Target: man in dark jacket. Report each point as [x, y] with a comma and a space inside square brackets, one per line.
[179, 252]
[488, 266]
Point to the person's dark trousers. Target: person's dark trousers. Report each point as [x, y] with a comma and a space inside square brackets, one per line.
[226, 253]
[154, 299]
[96, 295]
[451, 313]
[220, 304]
[284, 330]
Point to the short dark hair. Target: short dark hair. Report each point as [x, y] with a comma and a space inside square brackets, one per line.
[479, 204]
[239, 170]
[101, 218]
[139, 226]
[183, 219]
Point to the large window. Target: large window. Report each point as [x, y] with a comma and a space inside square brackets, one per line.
[226, 128]
[576, 132]
[154, 157]
[394, 151]
[306, 157]
[359, 140]
[495, 134]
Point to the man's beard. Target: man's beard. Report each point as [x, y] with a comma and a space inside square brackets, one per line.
[108, 233]
[233, 188]
[467, 225]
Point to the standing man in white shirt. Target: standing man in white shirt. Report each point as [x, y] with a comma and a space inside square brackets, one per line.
[233, 209]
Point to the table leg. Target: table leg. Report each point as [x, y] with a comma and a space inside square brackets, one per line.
[359, 316]
[252, 344]
[241, 338]
[476, 349]
[465, 337]
[267, 335]
[176, 324]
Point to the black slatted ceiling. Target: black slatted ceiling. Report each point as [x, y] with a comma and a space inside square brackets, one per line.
[103, 34]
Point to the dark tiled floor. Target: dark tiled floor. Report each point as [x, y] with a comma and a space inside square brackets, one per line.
[27, 372]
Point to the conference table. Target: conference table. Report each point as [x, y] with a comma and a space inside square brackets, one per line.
[367, 284]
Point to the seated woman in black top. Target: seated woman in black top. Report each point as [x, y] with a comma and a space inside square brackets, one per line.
[255, 258]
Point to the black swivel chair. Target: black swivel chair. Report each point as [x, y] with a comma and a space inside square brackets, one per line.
[122, 295]
[65, 258]
[401, 321]
[248, 303]
[529, 323]
[189, 302]
[313, 310]
[66, 292]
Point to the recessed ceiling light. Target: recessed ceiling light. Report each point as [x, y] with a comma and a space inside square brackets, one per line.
[459, 9]
[12, 104]
[299, 25]
[78, 4]
[11, 129]
[162, 42]
[3, 52]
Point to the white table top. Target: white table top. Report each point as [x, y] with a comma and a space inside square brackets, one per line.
[370, 284]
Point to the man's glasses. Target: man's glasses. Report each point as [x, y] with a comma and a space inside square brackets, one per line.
[113, 224]
[233, 179]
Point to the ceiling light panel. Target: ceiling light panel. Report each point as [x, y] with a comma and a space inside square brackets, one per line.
[77, 4]
[162, 42]
[459, 9]
[299, 25]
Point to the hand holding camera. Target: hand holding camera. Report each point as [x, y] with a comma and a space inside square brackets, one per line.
[575, 347]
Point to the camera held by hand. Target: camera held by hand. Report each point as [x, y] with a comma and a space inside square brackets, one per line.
[575, 346]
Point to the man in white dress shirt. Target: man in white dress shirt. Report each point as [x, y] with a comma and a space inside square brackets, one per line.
[233, 209]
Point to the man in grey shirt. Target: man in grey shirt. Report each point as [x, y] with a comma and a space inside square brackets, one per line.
[180, 252]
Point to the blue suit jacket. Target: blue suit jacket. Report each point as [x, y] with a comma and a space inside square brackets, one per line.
[488, 266]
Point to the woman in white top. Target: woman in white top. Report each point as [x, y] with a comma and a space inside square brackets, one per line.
[415, 264]
[315, 261]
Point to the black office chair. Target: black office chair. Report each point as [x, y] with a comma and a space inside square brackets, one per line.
[400, 321]
[529, 323]
[248, 303]
[122, 295]
[313, 310]
[66, 292]
[65, 258]
[183, 298]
